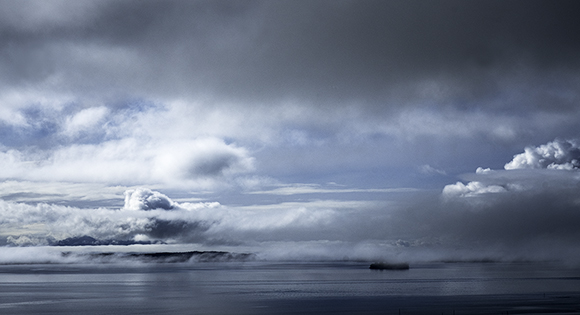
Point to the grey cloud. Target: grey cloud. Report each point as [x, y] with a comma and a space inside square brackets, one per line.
[184, 231]
[214, 165]
[41, 16]
[316, 50]
[516, 219]
[511, 225]
[202, 159]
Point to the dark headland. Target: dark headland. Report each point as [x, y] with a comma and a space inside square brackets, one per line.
[167, 257]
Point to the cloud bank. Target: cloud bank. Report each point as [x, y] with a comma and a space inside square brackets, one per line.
[528, 214]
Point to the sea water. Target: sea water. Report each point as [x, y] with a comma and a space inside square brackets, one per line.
[289, 288]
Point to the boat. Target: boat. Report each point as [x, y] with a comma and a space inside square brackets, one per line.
[389, 266]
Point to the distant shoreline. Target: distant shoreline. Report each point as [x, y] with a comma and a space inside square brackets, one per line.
[175, 257]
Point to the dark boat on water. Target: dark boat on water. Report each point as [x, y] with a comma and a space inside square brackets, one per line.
[389, 266]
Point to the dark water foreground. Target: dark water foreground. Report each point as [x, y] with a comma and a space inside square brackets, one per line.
[289, 288]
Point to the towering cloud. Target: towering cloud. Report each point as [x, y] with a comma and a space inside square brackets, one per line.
[558, 154]
[145, 199]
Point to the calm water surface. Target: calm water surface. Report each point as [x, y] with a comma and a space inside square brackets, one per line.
[289, 288]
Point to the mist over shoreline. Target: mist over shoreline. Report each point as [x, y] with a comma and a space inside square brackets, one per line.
[293, 253]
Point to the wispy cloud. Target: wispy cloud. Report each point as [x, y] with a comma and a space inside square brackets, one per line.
[296, 189]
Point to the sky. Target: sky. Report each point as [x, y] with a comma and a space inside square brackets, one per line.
[295, 129]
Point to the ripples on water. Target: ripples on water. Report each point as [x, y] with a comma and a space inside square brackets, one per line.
[287, 288]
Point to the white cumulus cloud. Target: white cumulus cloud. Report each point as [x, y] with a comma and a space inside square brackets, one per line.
[558, 154]
[146, 199]
[471, 189]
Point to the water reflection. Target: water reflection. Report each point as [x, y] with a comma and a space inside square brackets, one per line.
[236, 288]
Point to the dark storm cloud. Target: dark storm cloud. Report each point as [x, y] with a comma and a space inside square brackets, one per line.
[532, 205]
[532, 223]
[213, 166]
[315, 50]
[191, 232]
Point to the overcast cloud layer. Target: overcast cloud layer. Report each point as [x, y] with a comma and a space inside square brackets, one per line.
[335, 126]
